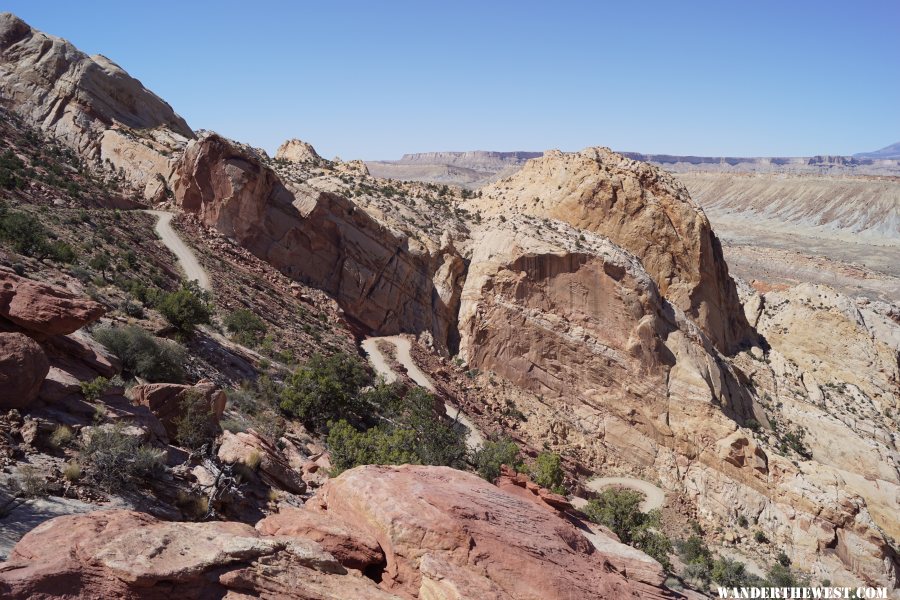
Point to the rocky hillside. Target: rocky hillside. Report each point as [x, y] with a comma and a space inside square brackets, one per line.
[580, 311]
[92, 105]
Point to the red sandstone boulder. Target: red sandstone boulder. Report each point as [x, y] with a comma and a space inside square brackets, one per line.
[450, 534]
[125, 554]
[43, 309]
[521, 485]
[353, 549]
[166, 401]
[23, 367]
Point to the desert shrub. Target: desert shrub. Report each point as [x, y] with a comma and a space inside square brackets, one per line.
[410, 431]
[619, 509]
[100, 262]
[696, 556]
[731, 573]
[234, 425]
[194, 507]
[268, 424]
[655, 544]
[697, 574]
[547, 472]
[114, 459]
[24, 233]
[61, 252]
[142, 354]
[93, 390]
[11, 171]
[131, 307]
[378, 445]
[32, 481]
[193, 426]
[62, 436]
[324, 389]
[245, 327]
[72, 471]
[780, 575]
[184, 309]
[742, 521]
[149, 461]
[494, 453]
[760, 537]
[694, 551]
[253, 459]
[783, 559]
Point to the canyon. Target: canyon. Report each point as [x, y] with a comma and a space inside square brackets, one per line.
[576, 303]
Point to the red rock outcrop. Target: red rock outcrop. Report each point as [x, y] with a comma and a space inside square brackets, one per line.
[124, 554]
[645, 211]
[450, 534]
[353, 549]
[23, 367]
[322, 239]
[42, 309]
[166, 401]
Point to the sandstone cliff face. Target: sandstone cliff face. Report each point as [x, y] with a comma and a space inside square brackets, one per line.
[641, 209]
[323, 239]
[91, 105]
[571, 316]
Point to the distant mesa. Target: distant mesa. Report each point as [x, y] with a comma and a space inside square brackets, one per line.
[888, 152]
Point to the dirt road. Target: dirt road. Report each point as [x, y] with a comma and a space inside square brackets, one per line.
[186, 257]
[474, 439]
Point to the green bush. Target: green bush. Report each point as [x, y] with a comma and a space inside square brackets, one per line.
[142, 354]
[349, 447]
[101, 263]
[547, 472]
[620, 511]
[696, 556]
[729, 573]
[11, 171]
[492, 454]
[325, 389]
[24, 233]
[245, 327]
[93, 390]
[410, 431]
[184, 309]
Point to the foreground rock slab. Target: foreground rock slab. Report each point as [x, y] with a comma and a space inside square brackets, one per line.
[450, 534]
[125, 554]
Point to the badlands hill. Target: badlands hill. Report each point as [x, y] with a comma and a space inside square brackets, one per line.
[163, 439]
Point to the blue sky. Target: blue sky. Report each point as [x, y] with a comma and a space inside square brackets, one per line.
[377, 79]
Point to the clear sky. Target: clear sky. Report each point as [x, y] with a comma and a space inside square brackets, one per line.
[375, 79]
